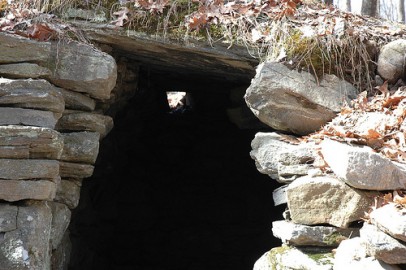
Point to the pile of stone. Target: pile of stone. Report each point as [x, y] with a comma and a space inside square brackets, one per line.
[342, 185]
[49, 141]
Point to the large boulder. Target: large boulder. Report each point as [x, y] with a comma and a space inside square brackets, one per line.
[361, 167]
[294, 101]
[391, 62]
[326, 200]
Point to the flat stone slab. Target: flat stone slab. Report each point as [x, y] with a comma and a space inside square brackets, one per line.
[77, 101]
[27, 247]
[17, 190]
[24, 71]
[326, 200]
[390, 220]
[81, 147]
[84, 121]
[302, 235]
[361, 167]
[31, 94]
[75, 170]
[28, 117]
[25, 169]
[8, 217]
[68, 193]
[382, 246]
[30, 142]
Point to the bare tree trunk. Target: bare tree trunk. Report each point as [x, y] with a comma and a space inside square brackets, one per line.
[401, 11]
[347, 6]
[369, 7]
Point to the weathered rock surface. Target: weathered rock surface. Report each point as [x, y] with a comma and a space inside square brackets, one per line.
[390, 220]
[77, 101]
[391, 62]
[18, 169]
[302, 235]
[294, 102]
[325, 199]
[8, 217]
[60, 221]
[61, 256]
[28, 247]
[84, 121]
[68, 193]
[75, 170]
[24, 71]
[382, 246]
[361, 167]
[73, 66]
[281, 258]
[279, 159]
[30, 142]
[80, 147]
[28, 117]
[31, 94]
[351, 255]
[279, 195]
[17, 190]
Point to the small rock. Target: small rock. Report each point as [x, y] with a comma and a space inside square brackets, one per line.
[8, 217]
[84, 121]
[61, 256]
[361, 167]
[28, 117]
[326, 200]
[17, 190]
[290, 258]
[382, 246]
[81, 147]
[30, 142]
[351, 255]
[68, 193]
[77, 101]
[391, 61]
[279, 195]
[24, 71]
[280, 159]
[390, 220]
[60, 221]
[294, 101]
[75, 170]
[302, 235]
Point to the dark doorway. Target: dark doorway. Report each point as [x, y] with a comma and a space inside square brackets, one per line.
[174, 190]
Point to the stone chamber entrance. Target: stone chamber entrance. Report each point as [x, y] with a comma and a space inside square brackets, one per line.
[176, 189]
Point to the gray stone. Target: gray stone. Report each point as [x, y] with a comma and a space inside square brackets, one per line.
[281, 160]
[361, 167]
[382, 246]
[28, 117]
[75, 66]
[391, 61]
[60, 222]
[61, 256]
[390, 220]
[295, 102]
[30, 142]
[326, 200]
[77, 101]
[8, 217]
[28, 247]
[279, 195]
[84, 121]
[81, 147]
[291, 258]
[75, 170]
[68, 193]
[17, 190]
[31, 94]
[18, 169]
[24, 71]
[351, 255]
[302, 235]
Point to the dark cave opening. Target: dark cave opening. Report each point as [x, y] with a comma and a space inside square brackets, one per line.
[174, 190]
